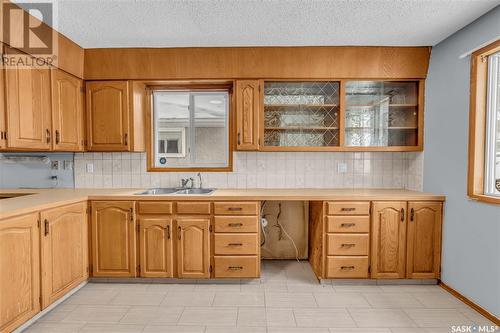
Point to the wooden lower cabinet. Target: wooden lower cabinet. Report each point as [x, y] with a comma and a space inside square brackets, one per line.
[193, 247]
[388, 255]
[155, 246]
[423, 259]
[236, 267]
[64, 250]
[113, 239]
[19, 270]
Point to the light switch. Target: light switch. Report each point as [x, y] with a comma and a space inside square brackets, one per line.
[90, 168]
[342, 167]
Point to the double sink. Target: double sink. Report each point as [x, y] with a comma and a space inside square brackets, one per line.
[177, 191]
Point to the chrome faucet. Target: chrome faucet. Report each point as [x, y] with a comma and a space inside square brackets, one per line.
[185, 181]
[201, 181]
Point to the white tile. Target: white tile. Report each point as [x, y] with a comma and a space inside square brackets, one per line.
[235, 330]
[323, 317]
[138, 298]
[212, 316]
[97, 314]
[189, 298]
[55, 328]
[341, 300]
[284, 300]
[280, 317]
[360, 330]
[438, 317]
[111, 328]
[238, 299]
[381, 318]
[297, 330]
[251, 316]
[439, 300]
[392, 300]
[173, 329]
[151, 315]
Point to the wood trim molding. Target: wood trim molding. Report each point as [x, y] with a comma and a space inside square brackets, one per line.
[256, 62]
[470, 303]
[477, 123]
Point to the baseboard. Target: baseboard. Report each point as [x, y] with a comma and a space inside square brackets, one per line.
[470, 303]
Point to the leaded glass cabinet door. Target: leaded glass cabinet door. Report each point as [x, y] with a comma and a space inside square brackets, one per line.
[301, 115]
[382, 114]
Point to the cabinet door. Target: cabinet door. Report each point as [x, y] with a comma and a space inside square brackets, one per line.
[388, 240]
[19, 271]
[67, 114]
[155, 246]
[28, 108]
[193, 248]
[113, 239]
[247, 114]
[64, 244]
[424, 240]
[107, 115]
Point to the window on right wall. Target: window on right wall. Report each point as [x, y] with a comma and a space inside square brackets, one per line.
[484, 135]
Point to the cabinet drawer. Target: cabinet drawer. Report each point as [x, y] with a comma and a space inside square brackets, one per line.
[347, 224]
[236, 267]
[236, 223]
[193, 207]
[347, 267]
[348, 244]
[236, 208]
[236, 244]
[348, 208]
[155, 207]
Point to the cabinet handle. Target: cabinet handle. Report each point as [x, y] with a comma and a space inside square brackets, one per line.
[235, 244]
[131, 215]
[125, 139]
[235, 209]
[239, 139]
[168, 232]
[348, 245]
[235, 224]
[347, 268]
[347, 225]
[235, 268]
[47, 135]
[46, 227]
[402, 214]
[57, 136]
[348, 209]
[412, 215]
[179, 229]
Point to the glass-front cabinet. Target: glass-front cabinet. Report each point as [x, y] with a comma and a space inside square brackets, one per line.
[344, 115]
[301, 115]
[381, 113]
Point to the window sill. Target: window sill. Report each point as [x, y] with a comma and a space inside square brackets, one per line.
[485, 198]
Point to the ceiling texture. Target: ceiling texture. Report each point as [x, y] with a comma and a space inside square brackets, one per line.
[185, 23]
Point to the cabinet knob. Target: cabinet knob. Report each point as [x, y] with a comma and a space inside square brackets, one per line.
[57, 137]
[347, 268]
[235, 225]
[412, 215]
[348, 209]
[46, 227]
[235, 268]
[235, 244]
[239, 139]
[168, 232]
[179, 230]
[47, 135]
[348, 245]
[235, 209]
[347, 225]
[125, 139]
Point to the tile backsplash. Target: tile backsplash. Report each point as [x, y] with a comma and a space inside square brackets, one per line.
[261, 170]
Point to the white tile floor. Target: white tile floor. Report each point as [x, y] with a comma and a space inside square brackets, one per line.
[287, 299]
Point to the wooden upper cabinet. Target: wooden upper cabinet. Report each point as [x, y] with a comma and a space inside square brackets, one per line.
[28, 108]
[19, 271]
[424, 240]
[113, 239]
[3, 115]
[67, 112]
[108, 115]
[64, 246]
[155, 246]
[248, 103]
[388, 255]
[193, 248]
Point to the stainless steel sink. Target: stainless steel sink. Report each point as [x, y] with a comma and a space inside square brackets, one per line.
[205, 191]
[175, 191]
[155, 191]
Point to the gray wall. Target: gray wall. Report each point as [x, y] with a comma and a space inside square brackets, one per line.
[471, 234]
[36, 174]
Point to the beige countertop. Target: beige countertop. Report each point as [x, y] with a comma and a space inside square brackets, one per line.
[40, 199]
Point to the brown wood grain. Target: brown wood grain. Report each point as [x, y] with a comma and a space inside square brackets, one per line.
[155, 246]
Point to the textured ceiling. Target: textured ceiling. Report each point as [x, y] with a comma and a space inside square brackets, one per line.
[177, 23]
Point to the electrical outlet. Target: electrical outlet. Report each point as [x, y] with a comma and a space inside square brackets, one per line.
[342, 167]
[55, 165]
[90, 168]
